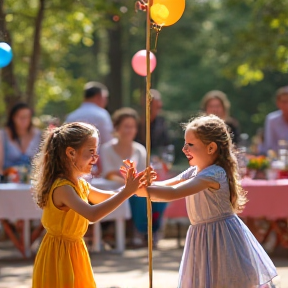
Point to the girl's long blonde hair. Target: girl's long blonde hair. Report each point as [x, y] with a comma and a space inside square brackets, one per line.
[213, 129]
[51, 162]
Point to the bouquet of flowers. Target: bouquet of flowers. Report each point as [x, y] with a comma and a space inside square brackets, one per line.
[258, 163]
[17, 174]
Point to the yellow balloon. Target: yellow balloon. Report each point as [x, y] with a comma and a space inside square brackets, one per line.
[159, 11]
[167, 12]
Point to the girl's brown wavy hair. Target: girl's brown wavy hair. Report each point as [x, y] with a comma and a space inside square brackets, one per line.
[213, 129]
[51, 162]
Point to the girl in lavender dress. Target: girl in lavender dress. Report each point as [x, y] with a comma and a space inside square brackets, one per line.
[220, 251]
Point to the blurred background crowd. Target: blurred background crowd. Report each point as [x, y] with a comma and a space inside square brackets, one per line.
[217, 45]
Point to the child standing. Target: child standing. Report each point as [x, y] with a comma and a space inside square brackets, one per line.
[67, 153]
[220, 251]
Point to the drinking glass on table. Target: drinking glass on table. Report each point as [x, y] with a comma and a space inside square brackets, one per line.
[283, 151]
[242, 161]
[283, 157]
[162, 161]
[168, 156]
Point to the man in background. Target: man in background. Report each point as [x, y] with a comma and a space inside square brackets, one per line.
[158, 128]
[92, 110]
[276, 123]
[159, 131]
[160, 141]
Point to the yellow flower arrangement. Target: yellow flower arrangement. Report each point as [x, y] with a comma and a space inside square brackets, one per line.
[258, 163]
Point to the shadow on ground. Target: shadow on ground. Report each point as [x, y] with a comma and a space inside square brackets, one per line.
[127, 270]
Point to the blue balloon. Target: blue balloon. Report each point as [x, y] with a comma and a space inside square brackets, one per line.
[5, 54]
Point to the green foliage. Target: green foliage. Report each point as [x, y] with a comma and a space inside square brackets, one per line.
[263, 39]
[210, 52]
[67, 25]
[237, 46]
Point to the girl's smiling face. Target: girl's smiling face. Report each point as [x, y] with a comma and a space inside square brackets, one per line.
[86, 156]
[198, 153]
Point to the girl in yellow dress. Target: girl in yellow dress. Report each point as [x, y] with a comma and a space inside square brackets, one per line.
[67, 153]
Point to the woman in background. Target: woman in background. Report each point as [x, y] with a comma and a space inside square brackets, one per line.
[112, 154]
[19, 140]
[216, 102]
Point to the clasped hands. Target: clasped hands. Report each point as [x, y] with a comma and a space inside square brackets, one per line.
[149, 175]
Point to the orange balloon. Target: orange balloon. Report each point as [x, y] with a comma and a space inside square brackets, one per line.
[167, 12]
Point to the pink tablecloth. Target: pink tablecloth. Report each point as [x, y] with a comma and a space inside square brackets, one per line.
[176, 209]
[267, 198]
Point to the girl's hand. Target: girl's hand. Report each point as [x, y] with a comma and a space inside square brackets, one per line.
[132, 181]
[149, 172]
[127, 164]
[149, 176]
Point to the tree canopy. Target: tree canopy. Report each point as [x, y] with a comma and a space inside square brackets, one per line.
[237, 46]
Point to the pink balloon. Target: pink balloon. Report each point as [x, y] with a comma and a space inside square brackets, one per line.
[139, 62]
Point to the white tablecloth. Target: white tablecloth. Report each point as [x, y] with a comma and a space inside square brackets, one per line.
[121, 212]
[16, 203]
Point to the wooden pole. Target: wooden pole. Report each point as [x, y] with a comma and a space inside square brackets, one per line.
[148, 141]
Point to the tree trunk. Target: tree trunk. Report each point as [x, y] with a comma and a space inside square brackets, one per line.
[33, 68]
[114, 78]
[9, 85]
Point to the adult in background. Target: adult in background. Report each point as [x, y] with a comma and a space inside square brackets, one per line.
[276, 123]
[216, 102]
[92, 110]
[19, 142]
[158, 127]
[159, 131]
[161, 144]
[112, 154]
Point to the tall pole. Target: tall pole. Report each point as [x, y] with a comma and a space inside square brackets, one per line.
[148, 141]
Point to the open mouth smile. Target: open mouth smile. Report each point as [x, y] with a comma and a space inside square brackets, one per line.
[189, 157]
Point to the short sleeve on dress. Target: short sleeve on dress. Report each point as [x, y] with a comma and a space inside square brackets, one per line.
[214, 172]
[189, 173]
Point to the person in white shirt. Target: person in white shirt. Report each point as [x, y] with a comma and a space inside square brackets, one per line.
[93, 111]
[276, 123]
[123, 146]
[112, 154]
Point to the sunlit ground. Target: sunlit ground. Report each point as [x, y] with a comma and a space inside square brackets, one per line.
[129, 270]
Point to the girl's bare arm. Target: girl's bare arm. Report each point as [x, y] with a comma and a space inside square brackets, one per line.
[65, 198]
[169, 182]
[97, 195]
[180, 190]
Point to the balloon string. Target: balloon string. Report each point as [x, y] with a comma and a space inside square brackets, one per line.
[157, 28]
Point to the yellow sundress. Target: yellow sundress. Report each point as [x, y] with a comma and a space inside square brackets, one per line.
[62, 260]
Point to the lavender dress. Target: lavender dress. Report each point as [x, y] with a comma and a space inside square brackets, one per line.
[220, 251]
